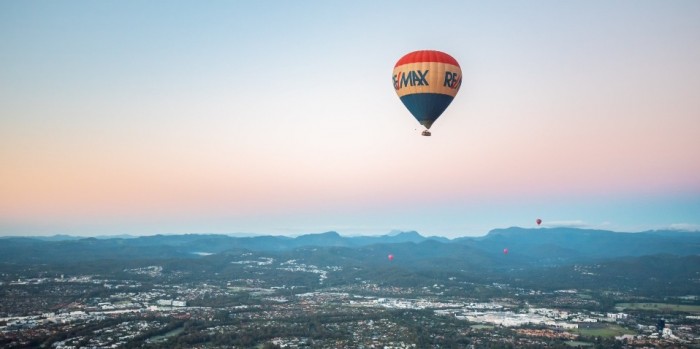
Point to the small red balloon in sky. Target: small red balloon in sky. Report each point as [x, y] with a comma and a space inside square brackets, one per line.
[391, 257]
[505, 251]
[539, 221]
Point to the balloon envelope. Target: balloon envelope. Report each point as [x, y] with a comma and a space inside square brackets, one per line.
[427, 81]
[539, 221]
[505, 251]
[391, 257]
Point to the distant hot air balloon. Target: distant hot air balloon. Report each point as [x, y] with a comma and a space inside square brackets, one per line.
[427, 81]
[505, 251]
[539, 221]
[391, 257]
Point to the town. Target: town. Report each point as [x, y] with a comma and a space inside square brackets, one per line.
[147, 307]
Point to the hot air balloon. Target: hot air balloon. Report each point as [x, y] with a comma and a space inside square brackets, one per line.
[391, 257]
[539, 221]
[427, 81]
[505, 251]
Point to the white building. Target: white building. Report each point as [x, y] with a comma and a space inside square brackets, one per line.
[617, 316]
[171, 303]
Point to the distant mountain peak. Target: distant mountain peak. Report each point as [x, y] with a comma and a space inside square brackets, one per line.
[320, 238]
[412, 233]
[405, 236]
[331, 233]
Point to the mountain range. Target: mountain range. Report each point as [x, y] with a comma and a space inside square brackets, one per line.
[542, 246]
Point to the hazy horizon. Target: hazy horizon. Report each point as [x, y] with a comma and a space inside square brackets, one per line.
[342, 234]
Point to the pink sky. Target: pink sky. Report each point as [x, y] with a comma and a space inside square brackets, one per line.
[289, 129]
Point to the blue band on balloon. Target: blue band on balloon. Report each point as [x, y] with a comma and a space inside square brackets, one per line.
[426, 107]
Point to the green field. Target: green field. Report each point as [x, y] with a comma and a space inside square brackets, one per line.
[578, 344]
[610, 330]
[660, 307]
[481, 327]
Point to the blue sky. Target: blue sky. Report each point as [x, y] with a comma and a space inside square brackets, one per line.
[127, 117]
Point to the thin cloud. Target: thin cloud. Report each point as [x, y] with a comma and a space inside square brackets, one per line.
[684, 227]
[565, 224]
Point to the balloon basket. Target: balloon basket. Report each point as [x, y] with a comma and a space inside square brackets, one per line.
[426, 133]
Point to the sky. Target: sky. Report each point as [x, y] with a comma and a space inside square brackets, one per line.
[279, 117]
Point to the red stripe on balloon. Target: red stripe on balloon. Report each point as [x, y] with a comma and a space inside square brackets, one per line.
[426, 56]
